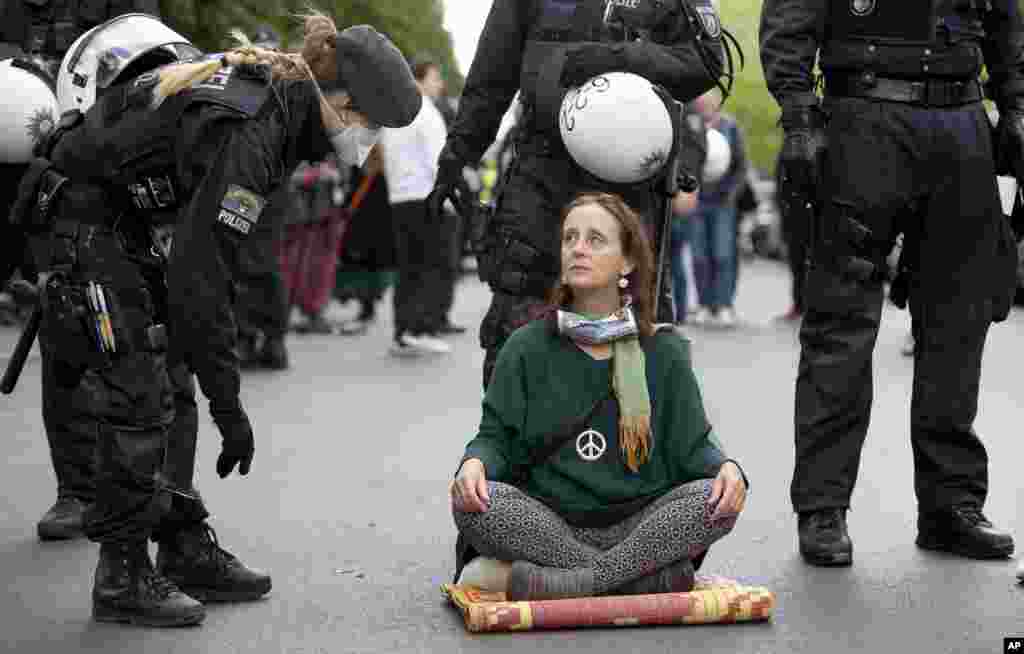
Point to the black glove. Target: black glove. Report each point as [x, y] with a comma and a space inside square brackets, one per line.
[586, 61]
[1009, 144]
[238, 445]
[803, 150]
[450, 185]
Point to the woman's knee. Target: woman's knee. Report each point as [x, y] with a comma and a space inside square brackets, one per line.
[499, 493]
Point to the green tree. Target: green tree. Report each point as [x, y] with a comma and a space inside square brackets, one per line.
[414, 25]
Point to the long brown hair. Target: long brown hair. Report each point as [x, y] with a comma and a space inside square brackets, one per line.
[635, 246]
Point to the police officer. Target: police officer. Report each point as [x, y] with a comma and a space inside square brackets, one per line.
[44, 31]
[544, 47]
[900, 144]
[136, 319]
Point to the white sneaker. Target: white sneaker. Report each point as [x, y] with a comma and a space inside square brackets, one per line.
[418, 345]
[726, 318]
[1020, 572]
[486, 574]
[701, 317]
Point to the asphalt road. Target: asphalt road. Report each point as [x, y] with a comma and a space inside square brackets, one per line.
[346, 506]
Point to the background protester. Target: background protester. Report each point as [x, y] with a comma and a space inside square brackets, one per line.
[367, 261]
[423, 248]
[309, 252]
[713, 226]
[262, 307]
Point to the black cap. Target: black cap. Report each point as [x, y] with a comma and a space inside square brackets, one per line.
[376, 75]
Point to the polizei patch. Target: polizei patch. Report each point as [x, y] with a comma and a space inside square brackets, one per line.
[240, 209]
[712, 26]
[862, 7]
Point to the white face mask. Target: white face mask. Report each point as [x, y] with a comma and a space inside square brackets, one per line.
[353, 144]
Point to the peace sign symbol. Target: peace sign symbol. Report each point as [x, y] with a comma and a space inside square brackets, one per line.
[591, 445]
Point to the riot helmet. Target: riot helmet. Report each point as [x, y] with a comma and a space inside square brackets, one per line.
[616, 127]
[28, 109]
[719, 157]
[101, 56]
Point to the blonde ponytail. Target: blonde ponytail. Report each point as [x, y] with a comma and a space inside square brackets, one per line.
[317, 62]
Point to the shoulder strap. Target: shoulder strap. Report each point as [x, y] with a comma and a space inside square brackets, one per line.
[559, 437]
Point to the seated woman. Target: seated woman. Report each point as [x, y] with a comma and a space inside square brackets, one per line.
[595, 470]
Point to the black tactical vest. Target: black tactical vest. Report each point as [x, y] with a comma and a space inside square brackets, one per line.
[912, 39]
[556, 26]
[130, 149]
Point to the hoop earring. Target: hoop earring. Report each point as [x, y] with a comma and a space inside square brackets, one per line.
[623, 283]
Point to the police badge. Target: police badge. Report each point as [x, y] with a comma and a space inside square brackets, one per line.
[862, 7]
[712, 26]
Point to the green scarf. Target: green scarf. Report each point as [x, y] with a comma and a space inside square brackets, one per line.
[629, 375]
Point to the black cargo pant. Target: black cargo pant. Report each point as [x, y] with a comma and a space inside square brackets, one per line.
[262, 306]
[927, 172]
[72, 442]
[422, 248]
[540, 182]
[71, 446]
[140, 412]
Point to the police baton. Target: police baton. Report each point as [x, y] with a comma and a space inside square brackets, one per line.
[671, 188]
[17, 361]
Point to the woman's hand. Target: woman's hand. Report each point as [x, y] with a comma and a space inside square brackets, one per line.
[728, 492]
[469, 488]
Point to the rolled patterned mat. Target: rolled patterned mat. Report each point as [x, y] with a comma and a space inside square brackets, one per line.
[713, 599]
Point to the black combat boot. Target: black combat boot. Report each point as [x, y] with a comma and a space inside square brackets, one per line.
[274, 355]
[64, 520]
[194, 560]
[264, 353]
[963, 530]
[127, 589]
[824, 539]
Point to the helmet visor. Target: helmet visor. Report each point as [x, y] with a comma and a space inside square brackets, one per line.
[109, 48]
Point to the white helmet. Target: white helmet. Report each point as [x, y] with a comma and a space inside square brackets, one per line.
[28, 109]
[719, 156]
[617, 127]
[99, 56]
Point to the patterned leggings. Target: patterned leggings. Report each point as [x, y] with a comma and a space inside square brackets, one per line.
[516, 527]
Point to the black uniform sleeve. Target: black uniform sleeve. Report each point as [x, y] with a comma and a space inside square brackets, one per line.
[791, 31]
[230, 172]
[1004, 53]
[674, 60]
[492, 81]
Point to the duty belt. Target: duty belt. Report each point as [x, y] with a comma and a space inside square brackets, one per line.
[926, 92]
[567, 35]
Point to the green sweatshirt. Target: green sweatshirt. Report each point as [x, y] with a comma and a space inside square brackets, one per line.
[543, 380]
